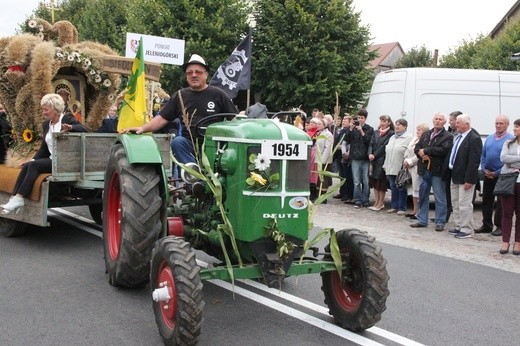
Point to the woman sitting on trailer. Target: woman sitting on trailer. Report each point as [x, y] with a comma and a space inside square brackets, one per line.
[55, 121]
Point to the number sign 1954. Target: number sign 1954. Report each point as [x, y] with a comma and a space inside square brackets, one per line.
[284, 150]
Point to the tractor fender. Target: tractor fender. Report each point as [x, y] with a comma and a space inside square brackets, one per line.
[144, 149]
[140, 148]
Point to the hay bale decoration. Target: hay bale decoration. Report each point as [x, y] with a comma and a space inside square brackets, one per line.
[48, 58]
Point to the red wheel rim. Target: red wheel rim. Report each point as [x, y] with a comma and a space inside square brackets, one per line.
[349, 289]
[113, 217]
[169, 308]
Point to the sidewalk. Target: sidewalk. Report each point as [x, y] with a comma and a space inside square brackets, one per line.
[395, 230]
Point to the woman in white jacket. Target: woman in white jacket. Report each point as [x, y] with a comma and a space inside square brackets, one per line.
[324, 149]
[395, 150]
[410, 162]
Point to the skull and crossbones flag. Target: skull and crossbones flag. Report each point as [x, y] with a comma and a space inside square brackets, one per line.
[235, 73]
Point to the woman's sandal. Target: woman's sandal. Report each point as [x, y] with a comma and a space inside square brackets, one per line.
[504, 249]
[516, 249]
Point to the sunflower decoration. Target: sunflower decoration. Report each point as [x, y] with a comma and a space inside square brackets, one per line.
[261, 176]
[24, 142]
[28, 136]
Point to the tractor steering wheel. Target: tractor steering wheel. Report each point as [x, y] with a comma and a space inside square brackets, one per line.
[201, 126]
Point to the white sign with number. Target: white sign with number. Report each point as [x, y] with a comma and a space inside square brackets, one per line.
[284, 150]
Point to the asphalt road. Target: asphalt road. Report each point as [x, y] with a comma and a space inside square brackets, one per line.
[443, 291]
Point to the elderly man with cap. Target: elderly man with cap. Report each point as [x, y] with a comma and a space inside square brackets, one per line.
[200, 100]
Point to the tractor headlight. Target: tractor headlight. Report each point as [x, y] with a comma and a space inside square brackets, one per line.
[186, 176]
[228, 161]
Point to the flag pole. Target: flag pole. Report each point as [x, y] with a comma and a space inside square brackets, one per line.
[248, 102]
[152, 98]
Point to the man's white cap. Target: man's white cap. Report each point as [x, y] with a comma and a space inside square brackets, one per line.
[195, 59]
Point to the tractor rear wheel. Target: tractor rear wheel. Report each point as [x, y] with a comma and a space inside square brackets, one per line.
[178, 313]
[12, 228]
[357, 299]
[131, 219]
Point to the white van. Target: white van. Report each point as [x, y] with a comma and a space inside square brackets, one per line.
[416, 94]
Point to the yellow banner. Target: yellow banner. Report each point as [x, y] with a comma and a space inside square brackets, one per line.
[133, 110]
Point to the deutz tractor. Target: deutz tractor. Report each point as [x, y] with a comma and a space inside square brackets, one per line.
[246, 203]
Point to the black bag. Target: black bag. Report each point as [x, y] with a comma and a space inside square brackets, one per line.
[5, 131]
[403, 179]
[505, 185]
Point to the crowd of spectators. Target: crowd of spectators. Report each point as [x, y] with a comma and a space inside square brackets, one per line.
[444, 163]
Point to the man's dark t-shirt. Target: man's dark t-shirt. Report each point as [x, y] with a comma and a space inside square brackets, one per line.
[198, 104]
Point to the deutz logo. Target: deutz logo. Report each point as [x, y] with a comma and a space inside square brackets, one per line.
[281, 216]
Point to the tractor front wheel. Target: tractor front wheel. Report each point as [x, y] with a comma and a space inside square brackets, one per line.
[131, 219]
[176, 291]
[357, 299]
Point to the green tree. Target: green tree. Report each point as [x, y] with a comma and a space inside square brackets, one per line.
[464, 55]
[307, 50]
[103, 21]
[487, 53]
[416, 57]
[210, 28]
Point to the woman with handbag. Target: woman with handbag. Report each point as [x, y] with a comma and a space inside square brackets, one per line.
[395, 150]
[510, 157]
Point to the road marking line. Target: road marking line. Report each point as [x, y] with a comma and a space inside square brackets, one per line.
[323, 310]
[57, 214]
[333, 329]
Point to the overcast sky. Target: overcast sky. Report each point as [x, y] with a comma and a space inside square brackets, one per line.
[13, 13]
[439, 24]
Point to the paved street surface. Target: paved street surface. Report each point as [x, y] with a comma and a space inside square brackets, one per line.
[443, 291]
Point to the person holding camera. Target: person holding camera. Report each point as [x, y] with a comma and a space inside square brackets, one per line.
[358, 136]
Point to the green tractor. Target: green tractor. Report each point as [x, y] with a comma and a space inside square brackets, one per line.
[246, 204]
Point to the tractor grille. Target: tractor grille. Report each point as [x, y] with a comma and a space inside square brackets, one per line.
[297, 175]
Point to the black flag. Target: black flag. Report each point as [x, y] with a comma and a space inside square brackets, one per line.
[235, 73]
